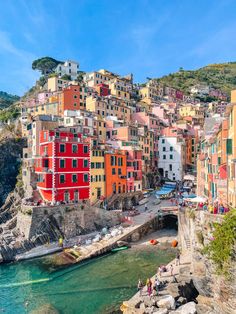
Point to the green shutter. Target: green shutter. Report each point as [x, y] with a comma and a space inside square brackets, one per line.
[229, 146]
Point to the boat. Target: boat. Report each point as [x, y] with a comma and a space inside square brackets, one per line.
[153, 241]
[119, 249]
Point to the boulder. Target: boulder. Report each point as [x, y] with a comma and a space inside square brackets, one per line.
[181, 301]
[137, 304]
[149, 302]
[150, 310]
[173, 290]
[167, 302]
[188, 308]
[161, 311]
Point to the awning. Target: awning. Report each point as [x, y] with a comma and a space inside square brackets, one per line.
[186, 195]
[189, 177]
[197, 199]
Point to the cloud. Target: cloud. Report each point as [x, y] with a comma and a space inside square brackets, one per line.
[17, 63]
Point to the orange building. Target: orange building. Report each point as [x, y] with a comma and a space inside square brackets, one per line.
[115, 170]
[70, 99]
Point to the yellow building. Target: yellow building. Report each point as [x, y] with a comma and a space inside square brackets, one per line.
[233, 96]
[119, 88]
[108, 107]
[231, 153]
[44, 109]
[100, 129]
[195, 112]
[151, 92]
[97, 175]
[56, 84]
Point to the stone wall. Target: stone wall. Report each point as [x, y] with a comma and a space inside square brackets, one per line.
[71, 220]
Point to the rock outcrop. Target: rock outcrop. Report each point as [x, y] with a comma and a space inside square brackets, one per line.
[10, 160]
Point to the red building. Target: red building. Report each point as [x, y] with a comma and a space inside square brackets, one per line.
[103, 89]
[63, 167]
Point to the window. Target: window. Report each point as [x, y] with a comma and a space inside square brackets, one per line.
[92, 165]
[171, 156]
[113, 171]
[74, 148]
[74, 178]
[62, 148]
[75, 104]
[62, 178]
[85, 177]
[170, 167]
[171, 148]
[113, 160]
[85, 149]
[164, 156]
[119, 171]
[164, 149]
[163, 141]
[75, 96]
[85, 163]
[62, 163]
[74, 163]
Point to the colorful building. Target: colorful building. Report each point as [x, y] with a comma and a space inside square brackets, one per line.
[98, 176]
[116, 171]
[70, 98]
[63, 167]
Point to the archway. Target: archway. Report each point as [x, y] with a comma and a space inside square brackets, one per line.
[170, 221]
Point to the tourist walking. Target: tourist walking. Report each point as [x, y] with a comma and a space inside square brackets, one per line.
[140, 287]
[171, 270]
[149, 287]
[156, 284]
[145, 208]
[177, 259]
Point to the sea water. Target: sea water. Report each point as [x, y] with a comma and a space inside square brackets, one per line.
[96, 286]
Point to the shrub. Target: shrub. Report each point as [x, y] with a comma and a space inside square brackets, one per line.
[221, 249]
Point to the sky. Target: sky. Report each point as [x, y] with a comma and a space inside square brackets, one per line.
[148, 38]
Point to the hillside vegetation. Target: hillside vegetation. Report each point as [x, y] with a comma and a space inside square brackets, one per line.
[7, 100]
[219, 76]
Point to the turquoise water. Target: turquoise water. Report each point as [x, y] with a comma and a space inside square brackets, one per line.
[98, 286]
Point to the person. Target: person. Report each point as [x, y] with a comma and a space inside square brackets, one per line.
[156, 284]
[171, 270]
[140, 287]
[177, 258]
[60, 242]
[221, 208]
[160, 270]
[145, 207]
[205, 207]
[149, 287]
[215, 210]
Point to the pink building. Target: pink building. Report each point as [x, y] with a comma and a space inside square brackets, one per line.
[134, 170]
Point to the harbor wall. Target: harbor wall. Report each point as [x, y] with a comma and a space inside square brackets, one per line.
[69, 220]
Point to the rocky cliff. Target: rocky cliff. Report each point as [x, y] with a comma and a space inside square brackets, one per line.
[217, 294]
[11, 147]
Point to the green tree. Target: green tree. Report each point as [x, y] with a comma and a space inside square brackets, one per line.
[221, 249]
[66, 77]
[80, 76]
[45, 65]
